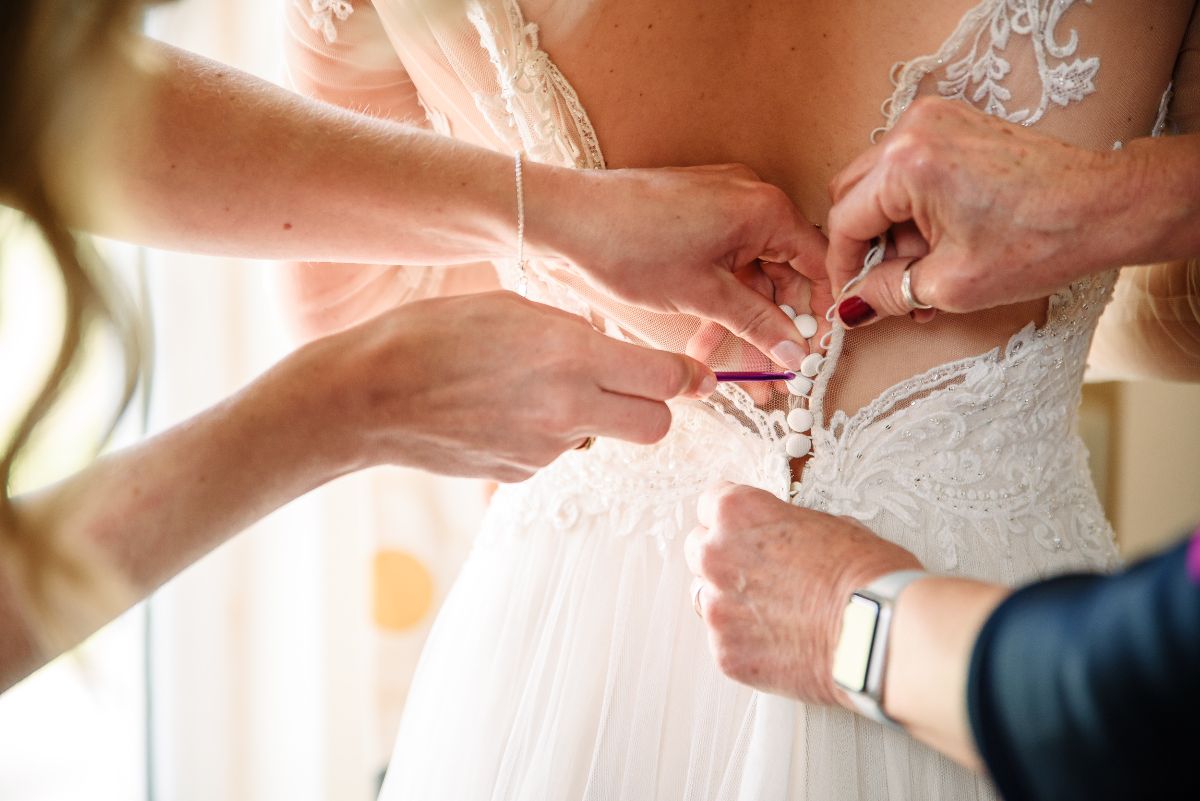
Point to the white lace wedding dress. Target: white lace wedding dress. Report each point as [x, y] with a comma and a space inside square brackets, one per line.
[567, 662]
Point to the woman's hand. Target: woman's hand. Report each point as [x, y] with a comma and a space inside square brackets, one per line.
[773, 580]
[486, 385]
[674, 240]
[1004, 214]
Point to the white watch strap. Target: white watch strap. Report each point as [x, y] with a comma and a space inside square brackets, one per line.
[890, 586]
[885, 590]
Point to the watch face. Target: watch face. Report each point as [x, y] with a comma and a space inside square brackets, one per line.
[853, 654]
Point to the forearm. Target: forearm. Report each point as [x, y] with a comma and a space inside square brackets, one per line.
[216, 161]
[148, 511]
[1156, 186]
[937, 621]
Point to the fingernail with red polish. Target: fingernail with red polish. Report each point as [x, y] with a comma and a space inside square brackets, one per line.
[854, 311]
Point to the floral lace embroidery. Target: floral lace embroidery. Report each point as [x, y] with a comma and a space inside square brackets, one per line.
[655, 487]
[323, 14]
[981, 447]
[975, 66]
[977, 450]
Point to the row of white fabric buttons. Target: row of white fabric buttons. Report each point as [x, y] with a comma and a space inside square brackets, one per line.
[800, 420]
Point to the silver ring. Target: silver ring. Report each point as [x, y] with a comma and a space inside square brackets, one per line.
[696, 601]
[906, 289]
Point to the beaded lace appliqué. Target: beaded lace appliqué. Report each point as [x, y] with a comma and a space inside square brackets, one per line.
[975, 63]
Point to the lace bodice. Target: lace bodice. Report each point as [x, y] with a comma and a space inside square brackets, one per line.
[979, 447]
[974, 436]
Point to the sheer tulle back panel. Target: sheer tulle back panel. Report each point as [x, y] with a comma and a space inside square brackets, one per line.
[1091, 73]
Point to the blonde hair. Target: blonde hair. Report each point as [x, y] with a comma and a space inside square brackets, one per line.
[46, 48]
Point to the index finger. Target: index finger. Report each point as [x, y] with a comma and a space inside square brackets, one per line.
[853, 173]
[660, 375]
[854, 221]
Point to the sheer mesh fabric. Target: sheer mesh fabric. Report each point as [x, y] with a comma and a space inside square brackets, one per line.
[567, 662]
[350, 63]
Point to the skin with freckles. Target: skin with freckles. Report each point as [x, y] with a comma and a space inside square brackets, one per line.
[998, 214]
[752, 553]
[772, 581]
[394, 390]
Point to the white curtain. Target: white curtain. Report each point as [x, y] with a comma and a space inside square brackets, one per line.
[280, 663]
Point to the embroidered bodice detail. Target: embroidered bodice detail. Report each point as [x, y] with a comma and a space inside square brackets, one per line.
[636, 490]
[974, 63]
[983, 447]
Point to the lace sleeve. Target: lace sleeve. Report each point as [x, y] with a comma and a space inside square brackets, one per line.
[1152, 327]
[337, 51]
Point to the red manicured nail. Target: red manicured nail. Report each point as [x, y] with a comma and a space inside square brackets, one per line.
[854, 311]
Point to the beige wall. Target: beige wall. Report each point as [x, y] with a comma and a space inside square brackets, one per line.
[1145, 443]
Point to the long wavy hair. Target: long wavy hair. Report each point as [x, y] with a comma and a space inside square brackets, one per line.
[48, 49]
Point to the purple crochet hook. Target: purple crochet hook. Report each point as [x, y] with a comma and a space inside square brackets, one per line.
[753, 376]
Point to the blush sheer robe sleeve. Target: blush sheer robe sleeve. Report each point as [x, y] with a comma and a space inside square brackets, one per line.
[346, 59]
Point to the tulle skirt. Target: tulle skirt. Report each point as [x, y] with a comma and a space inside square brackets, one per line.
[567, 662]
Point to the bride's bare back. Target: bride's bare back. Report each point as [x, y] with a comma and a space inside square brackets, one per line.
[794, 91]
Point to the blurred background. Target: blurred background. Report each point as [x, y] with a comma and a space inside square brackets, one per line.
[278, 666]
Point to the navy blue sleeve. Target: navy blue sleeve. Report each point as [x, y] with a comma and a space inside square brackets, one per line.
[1088, 687]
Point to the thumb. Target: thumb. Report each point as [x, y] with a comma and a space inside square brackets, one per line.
[756, 319]
[880, 293]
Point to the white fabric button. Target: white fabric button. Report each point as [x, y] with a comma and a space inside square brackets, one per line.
[806, 324]
[788, 310]
[800, 386]
[797, 445]
[811, 364]
[800, 420]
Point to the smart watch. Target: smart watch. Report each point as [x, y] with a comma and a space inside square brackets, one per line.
[861, 655]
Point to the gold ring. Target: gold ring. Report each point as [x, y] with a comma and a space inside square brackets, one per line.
[587, 444]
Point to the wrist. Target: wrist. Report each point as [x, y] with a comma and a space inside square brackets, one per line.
[561, 205]
[860, 662]
[306, 414]
[1094, 208]
[1155, 180]
[933, 635]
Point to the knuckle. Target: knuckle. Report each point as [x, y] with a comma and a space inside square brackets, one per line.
[717, 611]
[658, 423]
[757, 320]
[924, 111]
[948, 293]
[728, 661]
[676, 374]
[908, 152]
[711, 561]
